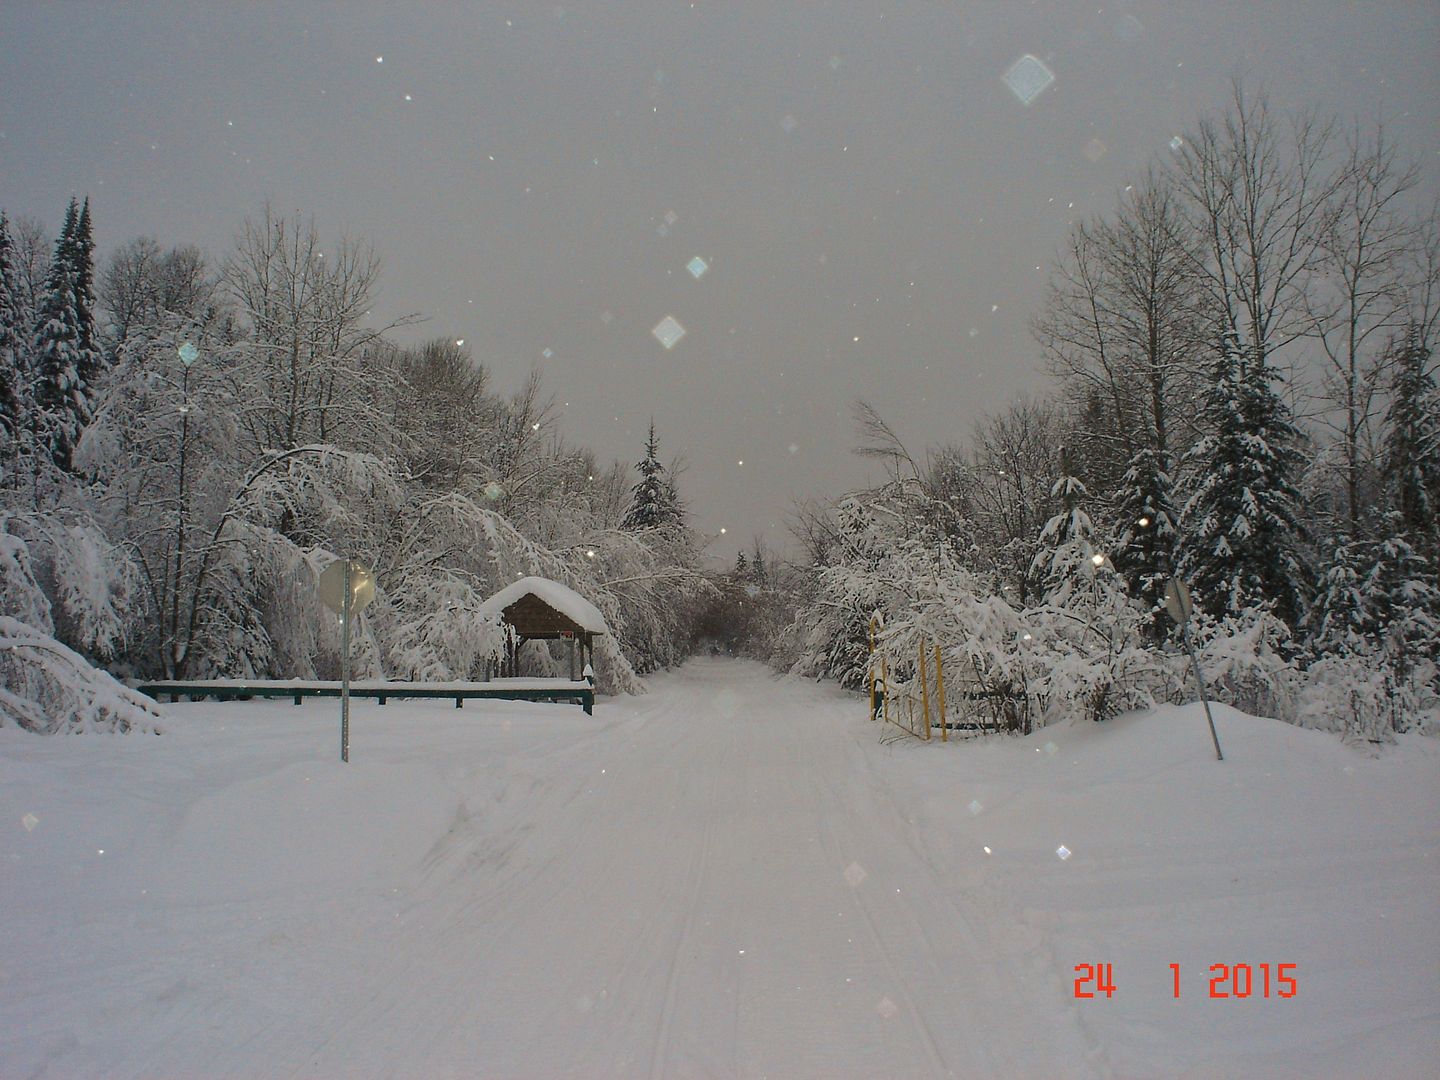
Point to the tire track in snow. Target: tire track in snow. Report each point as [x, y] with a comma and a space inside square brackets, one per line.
[697, 880]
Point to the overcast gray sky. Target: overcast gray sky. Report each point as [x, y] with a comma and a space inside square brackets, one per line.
[877, 209]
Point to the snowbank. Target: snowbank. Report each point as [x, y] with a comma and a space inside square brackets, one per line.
[733, 876]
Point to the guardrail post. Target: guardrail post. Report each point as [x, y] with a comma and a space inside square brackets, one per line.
[940, 692]
[925, 689]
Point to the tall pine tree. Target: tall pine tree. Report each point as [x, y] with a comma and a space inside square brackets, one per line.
[67, 357]
[653, 501]
[1243, 541]
[13, 376]
[1412, 446]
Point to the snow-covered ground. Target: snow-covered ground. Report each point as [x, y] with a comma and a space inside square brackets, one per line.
[731, 876]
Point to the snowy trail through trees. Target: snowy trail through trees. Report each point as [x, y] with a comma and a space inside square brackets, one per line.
[731, 876]
[710, 890]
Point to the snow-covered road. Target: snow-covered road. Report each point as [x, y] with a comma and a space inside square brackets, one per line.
[729, 877]
[715, 889]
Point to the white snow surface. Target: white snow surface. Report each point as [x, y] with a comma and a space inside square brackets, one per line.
[560, 597]
[732, 876]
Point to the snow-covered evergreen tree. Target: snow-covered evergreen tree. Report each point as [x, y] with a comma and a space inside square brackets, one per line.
[1243, 540]
[1337, 620]
[1086, 621]
[67, 356]
[1402, 610]
[1067, 542]
[13, 368]
[653, 500]
[1145, 552]
[1412, 445]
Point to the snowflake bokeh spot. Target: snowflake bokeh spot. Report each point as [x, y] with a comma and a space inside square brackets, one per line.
[1028, 78]
[668, 331]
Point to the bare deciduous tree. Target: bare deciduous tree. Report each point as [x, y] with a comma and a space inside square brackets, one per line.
[1357, 301]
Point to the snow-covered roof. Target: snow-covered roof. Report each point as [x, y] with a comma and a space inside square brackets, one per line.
[560, 597]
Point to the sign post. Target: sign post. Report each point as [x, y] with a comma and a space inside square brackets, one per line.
[1178, 606]
[346, 587]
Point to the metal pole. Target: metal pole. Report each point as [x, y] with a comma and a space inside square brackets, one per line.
[345, 608]
[940, 691]
[885, 682]
[871, 673]
[925, 689]
[1204, 698]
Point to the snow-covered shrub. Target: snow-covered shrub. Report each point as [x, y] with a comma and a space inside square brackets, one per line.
[1245, 664]
[48, 688]
[1359, 698]
[20, 593]
[873, 565]
[59, 571]
[1090, 662]
[990, 664]
[435, 631]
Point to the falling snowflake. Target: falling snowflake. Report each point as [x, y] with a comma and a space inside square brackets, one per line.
[855, 875]
[1063, 852]
[975, 806]
[697, 267]
[668, 331]
[1095, 149]
[789, 123]
[29, 821]
[1028, 78]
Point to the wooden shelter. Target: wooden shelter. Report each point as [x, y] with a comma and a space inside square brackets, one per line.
[538, 609]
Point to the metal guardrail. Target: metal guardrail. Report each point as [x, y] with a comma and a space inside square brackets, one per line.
[582, 694]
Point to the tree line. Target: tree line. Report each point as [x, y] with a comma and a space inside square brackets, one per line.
[1243, 396]
[186, 442]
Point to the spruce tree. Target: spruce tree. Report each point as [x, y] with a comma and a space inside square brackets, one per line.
[1091, 618]
[1243, 538]
[1067, 542]
[653, 501]
[1337, 620]
[1403, 604]
[67, 357]
[1378, 599]
[82, 256]
[1145, 553]
[1412, 446]
[13, 375]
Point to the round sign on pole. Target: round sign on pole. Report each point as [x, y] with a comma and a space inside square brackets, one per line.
[1177, 601]
[332, 587]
